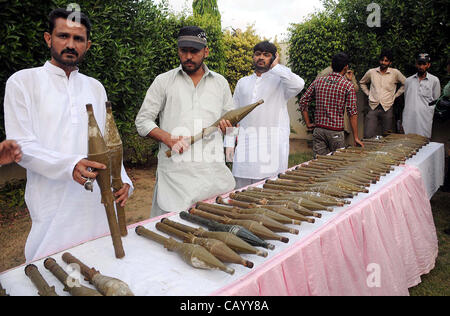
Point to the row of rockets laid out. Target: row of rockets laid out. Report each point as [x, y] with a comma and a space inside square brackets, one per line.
[251, 218]
[247, 220]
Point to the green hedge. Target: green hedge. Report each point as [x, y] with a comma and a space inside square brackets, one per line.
[132, 43]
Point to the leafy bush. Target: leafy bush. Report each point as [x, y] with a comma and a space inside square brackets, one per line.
[238, 54]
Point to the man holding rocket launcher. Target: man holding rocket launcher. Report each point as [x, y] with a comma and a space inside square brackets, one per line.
[45, 112]
[187, 100]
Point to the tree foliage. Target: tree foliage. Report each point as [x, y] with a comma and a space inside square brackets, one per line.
[238, 53]
[204, 7]
[407, 27]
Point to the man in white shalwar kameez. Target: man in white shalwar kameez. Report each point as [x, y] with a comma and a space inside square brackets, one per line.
[420, 90]
[186, 100]
[45, 111]
[262, 149]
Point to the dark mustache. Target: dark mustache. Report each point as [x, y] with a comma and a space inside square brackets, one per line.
[70, 51]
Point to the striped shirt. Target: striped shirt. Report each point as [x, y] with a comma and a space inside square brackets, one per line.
[333, 94]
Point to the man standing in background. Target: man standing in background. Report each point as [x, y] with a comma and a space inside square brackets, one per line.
[420, 90]
[383, 82]
[263, 143]
[334, 94]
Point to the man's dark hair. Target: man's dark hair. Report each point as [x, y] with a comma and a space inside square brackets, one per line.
[63, 13]
[265, 46]
[386, 53]
[339, 62]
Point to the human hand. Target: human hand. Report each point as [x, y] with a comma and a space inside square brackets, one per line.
[276, 60]
[225, 126]
[122, 195]
[229, 154]
[359, 142]
[10, 152]
[310, 126]
[85, 169]
[179, 144]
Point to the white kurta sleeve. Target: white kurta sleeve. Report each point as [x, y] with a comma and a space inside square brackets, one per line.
[152, 105]
[293, 84]
[436, 89]
[19, 123]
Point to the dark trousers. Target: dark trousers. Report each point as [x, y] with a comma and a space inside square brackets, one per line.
[378, 122]
[326, 141]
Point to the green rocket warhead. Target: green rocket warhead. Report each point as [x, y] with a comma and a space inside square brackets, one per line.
[106, 285]
[255, 227]
[216, 247]
[237, 230]
[114, 144]
[194, 255]
[75, 289]
[98, 151]
[38, 280]
[232, 241]
[234, 116]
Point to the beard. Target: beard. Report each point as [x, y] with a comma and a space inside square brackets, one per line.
[383, 67]
[260, 68]
[191, 67]
[69, 63]
[421, 72]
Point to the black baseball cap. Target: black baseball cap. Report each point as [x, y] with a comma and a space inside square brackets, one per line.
[423, 57]
[192, 36]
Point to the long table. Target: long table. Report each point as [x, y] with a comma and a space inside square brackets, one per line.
[380, 244]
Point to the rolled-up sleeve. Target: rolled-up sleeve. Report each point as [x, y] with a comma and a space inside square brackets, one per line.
[150, 109]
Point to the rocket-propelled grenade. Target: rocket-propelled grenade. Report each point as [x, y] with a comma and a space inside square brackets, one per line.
[98, 151]
[237, 230]
[216, 247]
[104, 284]
[194, 255]
[70, 284]
[234, 116]
[232, 241]
[114, 144]
[38, 280]
[253, 226]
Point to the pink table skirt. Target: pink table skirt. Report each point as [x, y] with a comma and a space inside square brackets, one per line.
[379, 246]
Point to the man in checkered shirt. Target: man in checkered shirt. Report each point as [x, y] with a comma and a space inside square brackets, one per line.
[333, 94]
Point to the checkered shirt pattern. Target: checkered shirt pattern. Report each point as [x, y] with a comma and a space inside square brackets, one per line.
[333, 94]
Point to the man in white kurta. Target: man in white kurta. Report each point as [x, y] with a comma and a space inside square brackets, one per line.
[262, 149]
[45, 112]
[420, 90]
[186, 100]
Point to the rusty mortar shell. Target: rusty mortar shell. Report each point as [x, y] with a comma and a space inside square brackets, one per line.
[38, 280]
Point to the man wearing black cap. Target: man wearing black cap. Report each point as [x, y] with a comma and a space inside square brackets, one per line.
[420, 90]
[186, 100]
